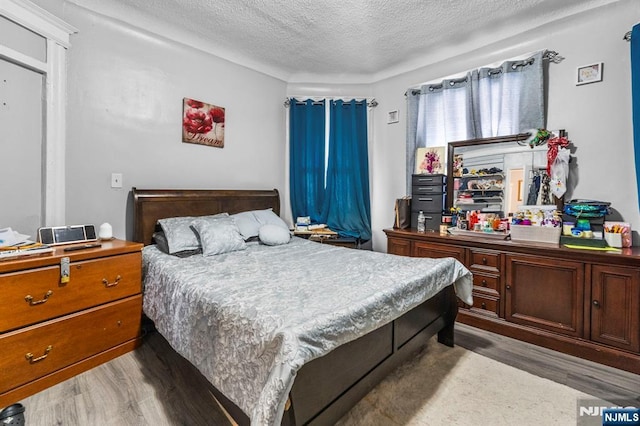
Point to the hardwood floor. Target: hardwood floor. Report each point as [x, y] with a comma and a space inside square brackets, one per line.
[155, 386]
[608, 383]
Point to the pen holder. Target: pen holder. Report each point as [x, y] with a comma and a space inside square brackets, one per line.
[613, 239]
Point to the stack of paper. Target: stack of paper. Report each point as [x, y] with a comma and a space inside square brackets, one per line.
[11, 238]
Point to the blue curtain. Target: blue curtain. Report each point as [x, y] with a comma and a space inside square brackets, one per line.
[635, 95]
[347, 208]
[307, 158]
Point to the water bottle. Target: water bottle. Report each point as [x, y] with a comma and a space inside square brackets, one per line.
[421, 222]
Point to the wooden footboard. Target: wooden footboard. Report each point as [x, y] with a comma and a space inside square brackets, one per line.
[326, 388]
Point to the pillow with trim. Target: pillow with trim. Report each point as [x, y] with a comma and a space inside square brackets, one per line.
[180, 236]
[218, 235]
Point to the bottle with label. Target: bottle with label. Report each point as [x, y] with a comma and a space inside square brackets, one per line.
[421, 222]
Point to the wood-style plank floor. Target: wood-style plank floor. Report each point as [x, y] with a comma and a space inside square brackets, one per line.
[608, 383]
[155, 386]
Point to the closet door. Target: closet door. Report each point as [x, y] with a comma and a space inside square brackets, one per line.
[21, 112]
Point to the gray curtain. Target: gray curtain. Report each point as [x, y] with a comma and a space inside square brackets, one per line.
[412, 125]
[508, 99]
[486, 102]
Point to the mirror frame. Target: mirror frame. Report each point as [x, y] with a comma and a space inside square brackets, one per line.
[473, 142]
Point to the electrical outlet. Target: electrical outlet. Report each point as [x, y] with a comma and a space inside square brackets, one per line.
[116, 180]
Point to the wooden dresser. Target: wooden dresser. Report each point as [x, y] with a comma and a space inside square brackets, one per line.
[52, 329]
[584, 303]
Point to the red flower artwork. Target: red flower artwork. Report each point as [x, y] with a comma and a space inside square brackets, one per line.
[202, 123]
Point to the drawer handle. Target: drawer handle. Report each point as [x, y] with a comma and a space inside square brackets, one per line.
[484, 260]
[484, 305]
[33, 360]
[113, 284]
[31, 302]
[508, 287]
[425, 179]
[425, 199]
[484, 283]
[596, 303]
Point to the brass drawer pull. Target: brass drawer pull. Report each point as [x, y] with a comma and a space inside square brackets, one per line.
[484, 260]
[113, 284]
[484, 283]
[484, 305]
[33, 360]
[596, 303]
[31, 302]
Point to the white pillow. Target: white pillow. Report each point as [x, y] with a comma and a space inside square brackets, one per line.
[274, 235]
[268, 217]
[249, 222]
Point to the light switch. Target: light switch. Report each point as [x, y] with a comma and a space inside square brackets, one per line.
[116, 180]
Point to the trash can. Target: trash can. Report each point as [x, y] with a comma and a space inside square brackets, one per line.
[12, 415]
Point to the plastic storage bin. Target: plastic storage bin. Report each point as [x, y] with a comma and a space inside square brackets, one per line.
[538, 234]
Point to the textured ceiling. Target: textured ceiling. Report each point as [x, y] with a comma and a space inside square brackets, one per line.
[306, 39]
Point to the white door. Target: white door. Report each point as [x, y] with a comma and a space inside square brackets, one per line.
[21, 148]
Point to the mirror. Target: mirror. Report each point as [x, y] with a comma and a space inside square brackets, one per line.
[494, 175]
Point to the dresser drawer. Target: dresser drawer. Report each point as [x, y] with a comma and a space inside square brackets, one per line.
[417, 191]
[37, 295]
[485, 304]
[422, 249]
[485, 261]
[428, 180]
[486, 284]
[428, 203]
[36, 351]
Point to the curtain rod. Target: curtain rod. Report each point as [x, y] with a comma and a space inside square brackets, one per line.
[627, 36]
[550, 55]
[371, 104]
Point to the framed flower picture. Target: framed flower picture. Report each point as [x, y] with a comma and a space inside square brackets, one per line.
[202, 123]
[430, 160]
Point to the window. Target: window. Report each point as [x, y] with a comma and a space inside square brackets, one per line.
[486, 102]
[330, 182]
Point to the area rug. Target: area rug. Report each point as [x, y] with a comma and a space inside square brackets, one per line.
[454, 386]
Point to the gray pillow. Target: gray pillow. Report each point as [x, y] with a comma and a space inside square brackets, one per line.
[180, 236]
[274, 235]
[249, 222]
[218, 235]
[161, 242]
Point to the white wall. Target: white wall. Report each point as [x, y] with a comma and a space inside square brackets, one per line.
[124, 115]
[126, 88]
[596, 116]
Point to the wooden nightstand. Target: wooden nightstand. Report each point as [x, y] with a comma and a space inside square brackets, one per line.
[327, 236]
[52, 330]
[337, 241]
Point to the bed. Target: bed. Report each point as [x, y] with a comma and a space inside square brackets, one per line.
[295, 333]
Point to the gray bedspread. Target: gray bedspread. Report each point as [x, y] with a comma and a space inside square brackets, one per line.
[249, 320]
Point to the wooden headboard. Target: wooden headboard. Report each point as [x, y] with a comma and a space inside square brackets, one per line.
[149, 205]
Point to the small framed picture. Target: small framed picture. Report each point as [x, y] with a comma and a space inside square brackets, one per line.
[589, 73]
[430, 160]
